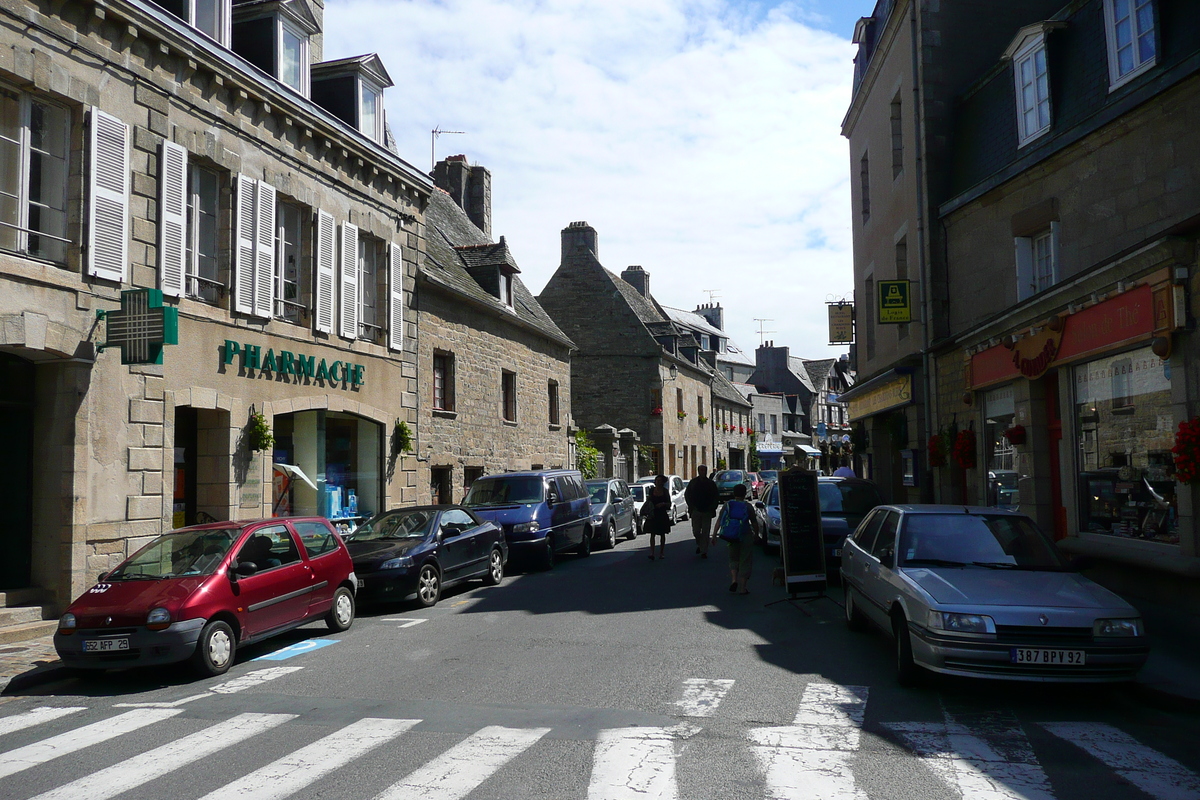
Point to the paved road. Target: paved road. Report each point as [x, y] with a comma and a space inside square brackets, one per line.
[610, 677]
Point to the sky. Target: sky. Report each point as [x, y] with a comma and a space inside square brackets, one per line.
[700, 138]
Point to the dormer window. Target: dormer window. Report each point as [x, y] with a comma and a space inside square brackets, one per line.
[352, 90]
[273, 36]
[370, 110]
[1031, 80]
[210, 17]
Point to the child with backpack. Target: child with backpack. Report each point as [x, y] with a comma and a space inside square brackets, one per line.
[738, 526]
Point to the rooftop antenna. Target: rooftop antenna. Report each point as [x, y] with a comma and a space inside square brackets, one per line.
[433, 136]
[713, 294]
[761, 332]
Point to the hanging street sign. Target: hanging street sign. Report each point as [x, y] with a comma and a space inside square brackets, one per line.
[841, 323]
[895, 302]
[141, 327]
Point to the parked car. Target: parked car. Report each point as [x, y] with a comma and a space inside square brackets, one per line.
[983, 592]
[200, 593]
[768, 475]
[541, 512]
[415, 553]
[727, 479]
[756, 484]
[844, 502]
[640, 492]
[675, 486]
[612, 511]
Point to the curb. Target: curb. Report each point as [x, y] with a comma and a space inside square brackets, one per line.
[1164, 699]
[38, 675]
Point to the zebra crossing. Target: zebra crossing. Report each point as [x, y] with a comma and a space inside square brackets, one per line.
[976, 755]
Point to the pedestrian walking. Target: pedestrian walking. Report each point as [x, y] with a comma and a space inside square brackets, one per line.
[737, 524]
[844, 471]
[658, 512]
[701, 497]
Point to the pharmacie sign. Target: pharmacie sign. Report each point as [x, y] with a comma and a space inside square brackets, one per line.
[298, 365]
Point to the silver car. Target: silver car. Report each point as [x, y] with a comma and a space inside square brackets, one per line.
[613, 511]
[983, 592]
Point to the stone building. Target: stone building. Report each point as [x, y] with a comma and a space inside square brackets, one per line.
[498, 396]
[732, 421]
[207, 180]
[634, 370]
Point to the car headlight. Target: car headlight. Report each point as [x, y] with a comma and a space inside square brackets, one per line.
[1129, 626]
[397, 563]
[158, 619]
[597, 519]
[66, 623]
[961, 623]
[526, 527]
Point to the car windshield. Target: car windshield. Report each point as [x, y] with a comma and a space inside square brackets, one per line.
[769, 474]
[503, 491]
[598, 492]
[395, 525]
[729, 475]
[773, 496]
[174, 555]
[848, 498]
[638, 491]
[996, 541]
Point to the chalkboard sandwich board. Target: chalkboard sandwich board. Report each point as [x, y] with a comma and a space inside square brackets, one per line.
[801, 540]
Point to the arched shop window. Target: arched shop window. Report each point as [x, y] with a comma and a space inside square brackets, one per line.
[328, 464]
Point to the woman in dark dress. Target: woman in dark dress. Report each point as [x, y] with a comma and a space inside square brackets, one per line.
[659, 524]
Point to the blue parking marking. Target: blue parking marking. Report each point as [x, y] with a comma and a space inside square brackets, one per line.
[296, 649]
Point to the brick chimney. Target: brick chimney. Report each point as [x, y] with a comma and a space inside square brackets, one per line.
[579, 237]
[638, 278]
[470, 187]
[713, 313]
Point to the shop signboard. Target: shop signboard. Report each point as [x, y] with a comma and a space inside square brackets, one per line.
[894, 393]
[895, 302]
[801, 541]
[841, 323]
[300, 366]
[141, 328]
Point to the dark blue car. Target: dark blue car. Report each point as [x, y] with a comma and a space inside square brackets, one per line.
[541, 512]
[413, 553]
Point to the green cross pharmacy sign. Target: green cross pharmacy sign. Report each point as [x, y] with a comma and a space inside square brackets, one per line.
[141, 327]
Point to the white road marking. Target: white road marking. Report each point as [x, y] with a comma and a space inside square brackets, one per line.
[634, 764]
[989, 759]
[1155, 774]
[163, 760]
[812, 756]
[701, 696]
[408, 621]
[48, 749]
[462, 768]
[294, 772]
[37, 716]
[254, 678]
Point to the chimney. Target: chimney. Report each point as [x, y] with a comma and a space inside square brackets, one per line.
[579, 237]
[316, 42]
[714, 314]
[638, 278]
[469, 187]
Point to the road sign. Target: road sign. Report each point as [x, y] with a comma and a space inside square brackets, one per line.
[895, 304]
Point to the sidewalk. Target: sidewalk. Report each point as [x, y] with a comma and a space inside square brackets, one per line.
[28, 663]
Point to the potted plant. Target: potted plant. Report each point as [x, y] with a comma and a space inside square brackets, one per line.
[258, 432]
[964, 449]
[1015, 434]
[656, 411]
[703, 420]
[681, 414]
[1187, 451]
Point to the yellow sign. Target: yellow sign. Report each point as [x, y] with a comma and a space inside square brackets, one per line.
[894, 393]
[841, 323]
[894, 302]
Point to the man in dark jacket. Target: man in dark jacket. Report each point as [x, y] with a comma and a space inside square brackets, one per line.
[701, 497]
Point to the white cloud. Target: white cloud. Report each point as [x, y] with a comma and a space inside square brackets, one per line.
[700, 138]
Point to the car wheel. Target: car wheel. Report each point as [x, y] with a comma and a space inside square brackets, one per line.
[429, 586]
[611, 541]
[495, 572]
[635, 528]
[341, 614]
[907, 671]
[215, 650]
[855, 620]
[674, 516]
[585, 545]
[546, 560]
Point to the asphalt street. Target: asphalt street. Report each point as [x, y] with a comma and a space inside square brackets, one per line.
[609, 677]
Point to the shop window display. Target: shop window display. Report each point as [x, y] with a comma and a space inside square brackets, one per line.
[1124, 434]
[999, 411]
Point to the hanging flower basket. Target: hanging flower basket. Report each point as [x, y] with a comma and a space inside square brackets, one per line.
[937, 451]
[1187, 451]
[1015, 434]
[964, 449]
[656, 411]
[702, 420]
[681, 414]
[258, 432]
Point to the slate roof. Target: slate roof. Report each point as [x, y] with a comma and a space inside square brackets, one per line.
[493, 254]
[449, 230]
[647, 310]
[818, 371]
[693, 321]
[735, 355]
[796, 365]
[729, 392]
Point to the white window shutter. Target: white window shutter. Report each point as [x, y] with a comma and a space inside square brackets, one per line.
[108, 198]
[172, 218]
[395, 297]
[324, 280]
[243, 237]
[1026, 285]
[264, 251]
[348, 310]
[1056, 251]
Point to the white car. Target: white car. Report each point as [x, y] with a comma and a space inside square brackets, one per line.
[675, 486]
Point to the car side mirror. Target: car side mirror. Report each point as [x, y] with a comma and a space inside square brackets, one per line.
[101, 577]
[245, 569]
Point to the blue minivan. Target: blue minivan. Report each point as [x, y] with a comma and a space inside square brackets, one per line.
[542, 512]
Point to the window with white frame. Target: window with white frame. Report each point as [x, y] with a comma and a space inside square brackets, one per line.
[370, 313]
[1130, 31]
[210, 17]
[202, 239]
[1037, 258]
[292, 56]
[1033, 91]
[289, 244]
[370, 110]
[34, 148]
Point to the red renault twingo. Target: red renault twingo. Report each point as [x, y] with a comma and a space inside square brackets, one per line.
[198, 593]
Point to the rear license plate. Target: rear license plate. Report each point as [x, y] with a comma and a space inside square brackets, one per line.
[104, 645]
[1067, 658]
[361, 583]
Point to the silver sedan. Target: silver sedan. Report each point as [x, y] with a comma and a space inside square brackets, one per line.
[983, 592]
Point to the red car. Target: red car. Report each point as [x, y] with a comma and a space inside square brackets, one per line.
[199, 593]
[757, 484]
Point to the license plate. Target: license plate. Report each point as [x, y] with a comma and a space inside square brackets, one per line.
[104, 645]
[837, 553]
[1068, 658]
[361, 583]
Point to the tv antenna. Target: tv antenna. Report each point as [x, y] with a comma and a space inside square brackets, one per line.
[761, 332]
[433, 137]
[713, 294]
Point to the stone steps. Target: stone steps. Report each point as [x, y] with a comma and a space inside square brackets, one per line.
[26, 614]
[27, 630]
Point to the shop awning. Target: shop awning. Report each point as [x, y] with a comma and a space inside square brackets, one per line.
[809, 450]
[292, 471]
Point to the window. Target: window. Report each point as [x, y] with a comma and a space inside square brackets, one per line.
[774, 424]
[370, 113]
[1033, 92]
[679, 401]
[292, 57]
[864, 177]
[506, 291]
[1132, 49]
[289, 290]
[443, 381]
[316, 538]
[508, 391]
[1037, 261]
[552, 398]
[699, 406]
[203, 234]
[210, 17]
[269, 548]
[762, 422]
[34, 142]
[370, 280]
[897, 137]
